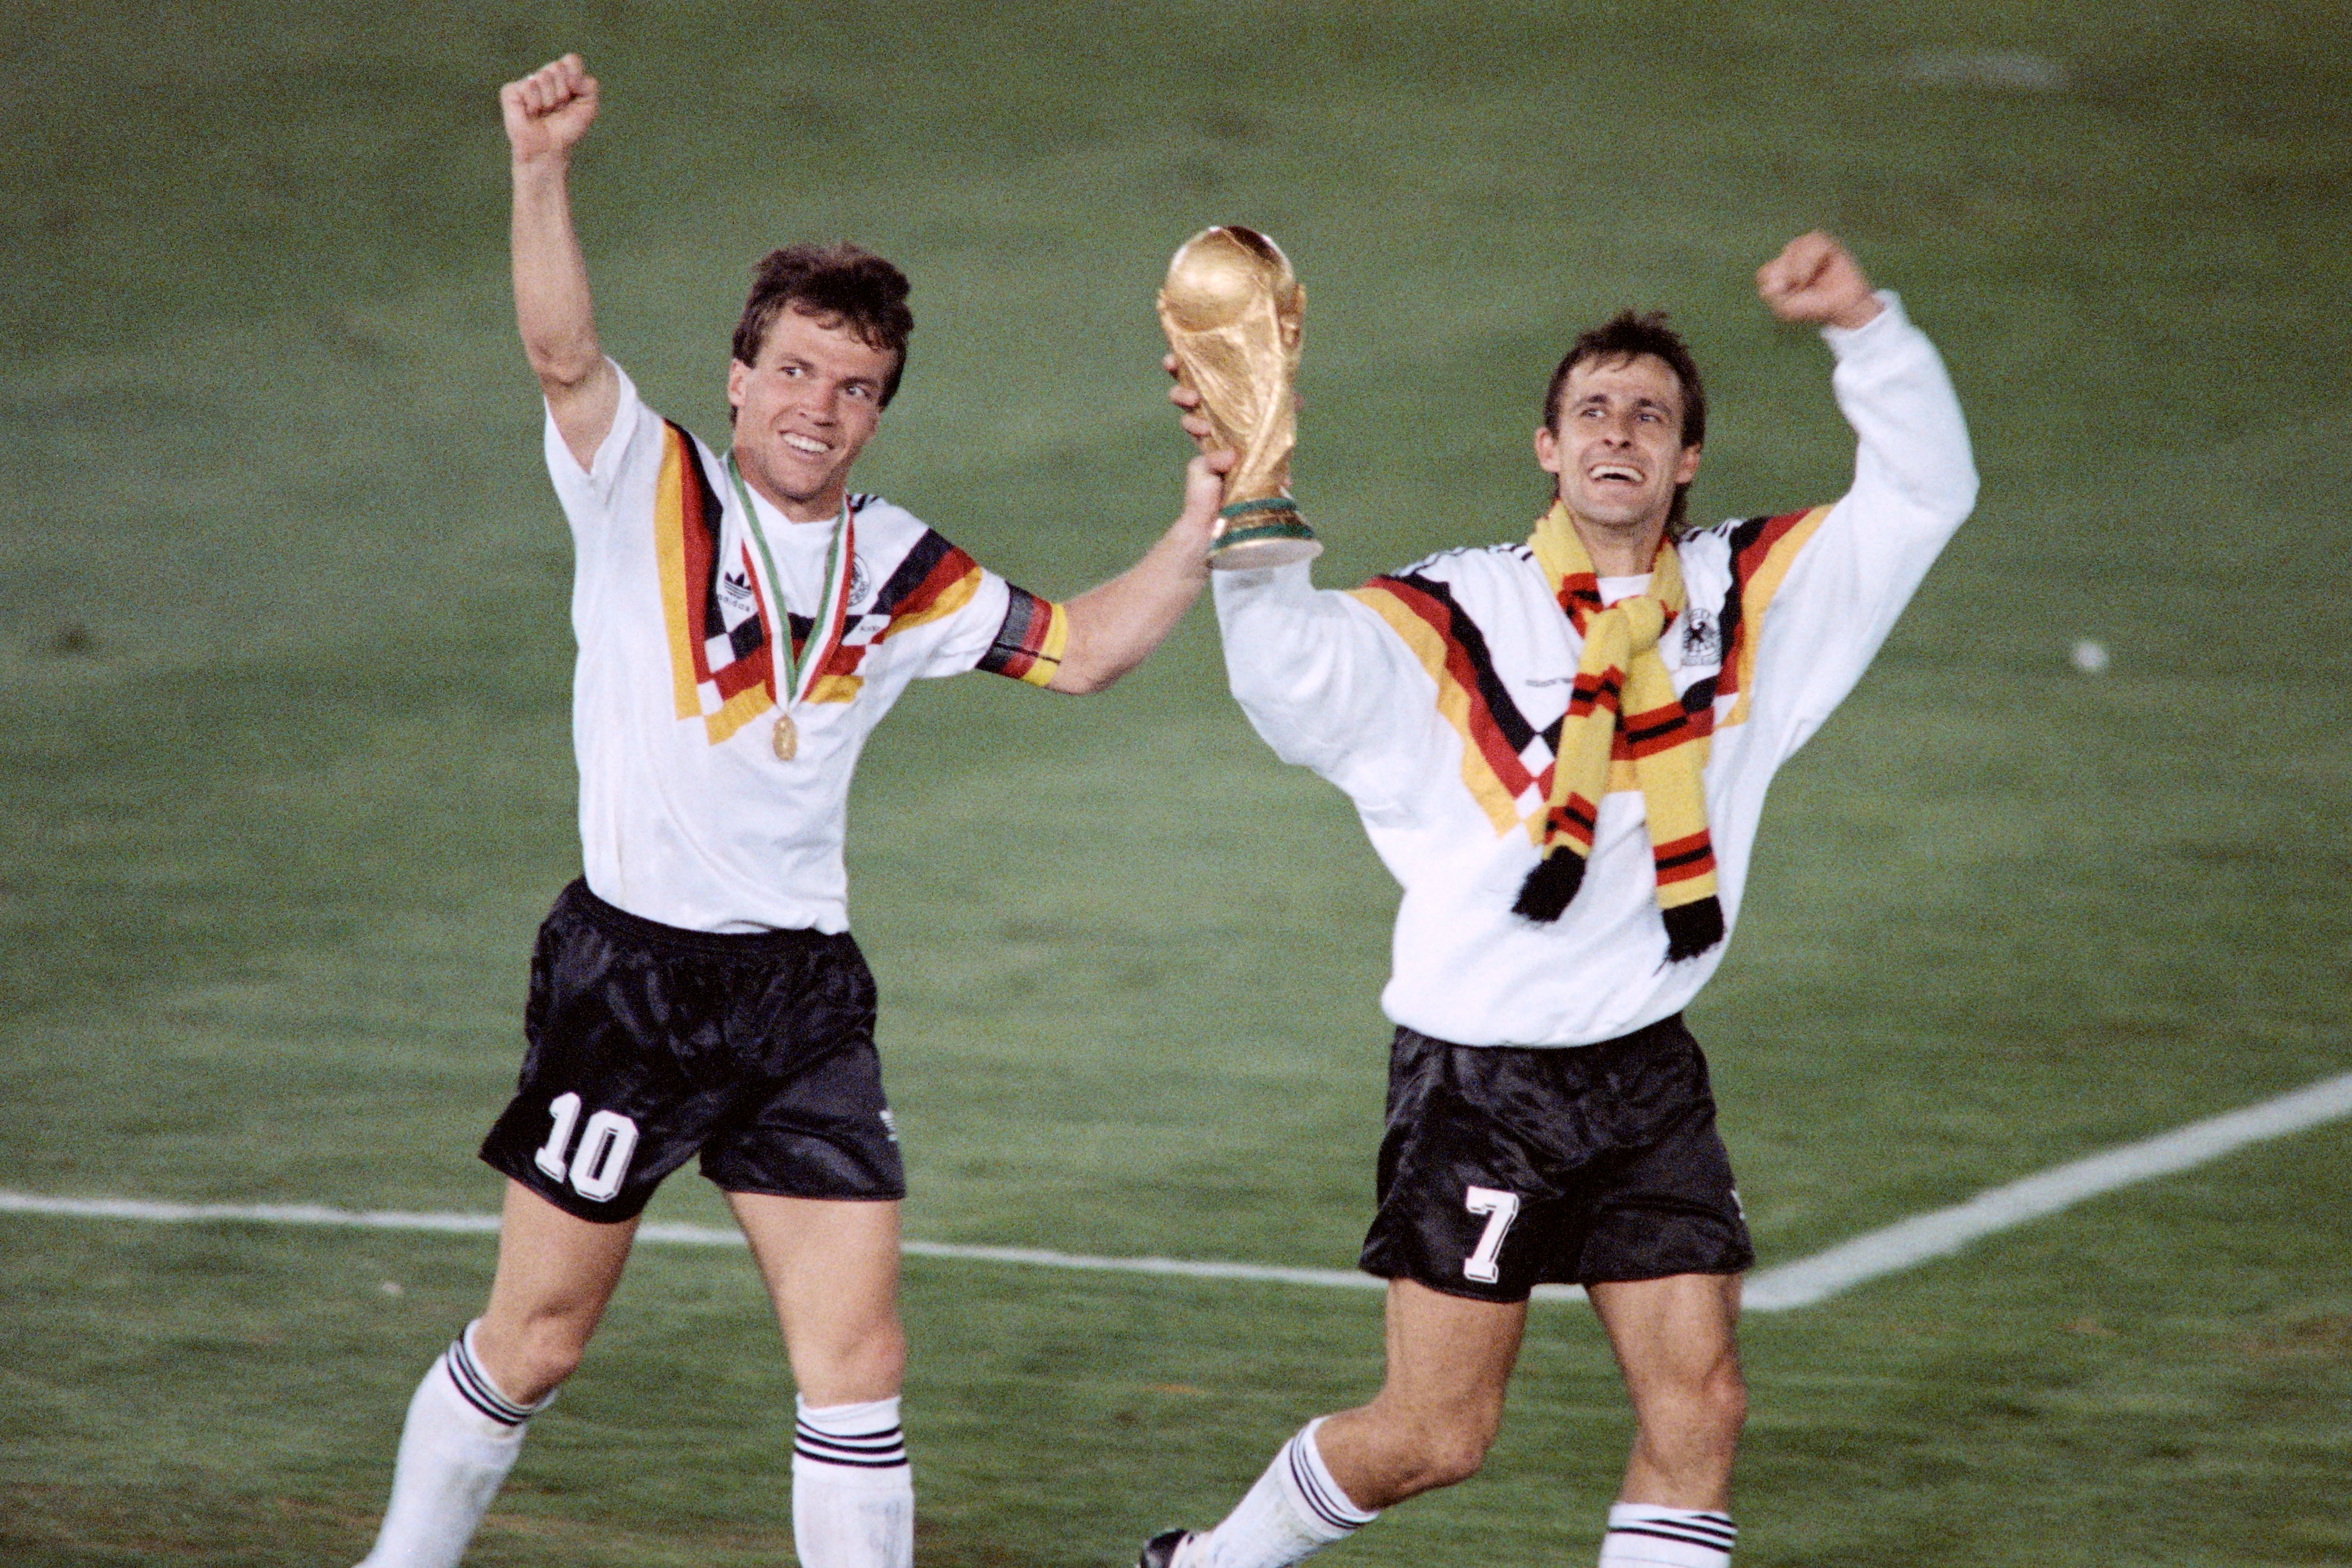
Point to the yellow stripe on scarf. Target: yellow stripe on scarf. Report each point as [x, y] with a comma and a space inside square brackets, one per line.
[1623, 689]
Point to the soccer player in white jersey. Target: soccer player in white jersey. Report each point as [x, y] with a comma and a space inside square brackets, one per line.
[1560, 751]
[742, 624]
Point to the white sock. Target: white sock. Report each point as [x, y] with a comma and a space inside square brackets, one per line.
[1295, 1510]
[460, 1440]
[852, 1494]
[1641, 1534]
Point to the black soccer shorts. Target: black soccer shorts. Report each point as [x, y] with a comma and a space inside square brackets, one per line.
[1507, 1167]
[646, 1042]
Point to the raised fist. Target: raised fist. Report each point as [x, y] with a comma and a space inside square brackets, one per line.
[549, 110]
[1815, 279]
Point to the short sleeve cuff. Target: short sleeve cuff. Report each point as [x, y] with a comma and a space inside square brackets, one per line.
[600, 473]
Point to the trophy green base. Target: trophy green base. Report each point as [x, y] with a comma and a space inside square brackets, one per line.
[1255, 534]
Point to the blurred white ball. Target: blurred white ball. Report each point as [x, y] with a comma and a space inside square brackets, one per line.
[2089, 658]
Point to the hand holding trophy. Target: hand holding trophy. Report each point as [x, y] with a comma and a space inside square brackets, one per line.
[1232, 309]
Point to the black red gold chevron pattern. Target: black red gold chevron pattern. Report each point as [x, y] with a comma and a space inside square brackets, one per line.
[723, 676]
[1504, 771]
[1496, 765]
[1762, 550]
[935, 579]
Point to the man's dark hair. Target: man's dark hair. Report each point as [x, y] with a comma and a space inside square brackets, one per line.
[1628, 336]
[840, 285]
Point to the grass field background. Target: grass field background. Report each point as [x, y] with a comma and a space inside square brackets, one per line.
[285, 781]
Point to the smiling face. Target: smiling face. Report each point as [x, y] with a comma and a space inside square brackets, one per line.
[1615, 444]
[804, 407]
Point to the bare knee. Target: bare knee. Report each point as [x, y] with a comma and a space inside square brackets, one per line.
[1452, 1454]
[1691, 1426]
[868, 1363]
[1420, 1452]
[529, 1355]
[1715, 1405]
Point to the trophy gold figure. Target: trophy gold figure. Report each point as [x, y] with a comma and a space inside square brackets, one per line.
[1232, 309]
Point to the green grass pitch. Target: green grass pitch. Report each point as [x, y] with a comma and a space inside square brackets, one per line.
[285, 781]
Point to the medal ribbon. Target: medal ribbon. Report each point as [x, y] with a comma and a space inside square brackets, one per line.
[798, 676]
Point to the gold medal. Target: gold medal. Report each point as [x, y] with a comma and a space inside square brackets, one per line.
[786, 738]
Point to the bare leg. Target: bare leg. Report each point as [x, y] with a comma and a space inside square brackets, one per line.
[1675, 1341]
[556, 1275]
[1430, 1425]
[465, 1422]
[831, 1269]
[1441, 1404]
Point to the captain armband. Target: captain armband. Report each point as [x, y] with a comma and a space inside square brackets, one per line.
[1030, 643]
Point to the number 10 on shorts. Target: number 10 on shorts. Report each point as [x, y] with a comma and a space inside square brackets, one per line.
[602, 1160]
[1500, 1209]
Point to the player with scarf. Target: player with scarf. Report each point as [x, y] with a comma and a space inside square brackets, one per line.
[1560, 750]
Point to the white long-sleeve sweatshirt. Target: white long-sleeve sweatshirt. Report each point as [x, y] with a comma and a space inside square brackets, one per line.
[1433, 696]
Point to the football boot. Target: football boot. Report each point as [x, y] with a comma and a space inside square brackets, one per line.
[1170, 1549]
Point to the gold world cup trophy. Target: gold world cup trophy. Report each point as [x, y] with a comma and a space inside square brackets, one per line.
[1232, 309]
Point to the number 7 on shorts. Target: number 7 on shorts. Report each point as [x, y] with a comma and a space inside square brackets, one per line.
[1500, 1209]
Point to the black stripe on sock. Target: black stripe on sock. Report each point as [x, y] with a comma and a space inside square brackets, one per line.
[868, 1441]
[1318, 1497]
[1669, 1530]
[860, 1439]
[895, 1462]
[479, 1392]
[1710, 1527]
[865, 1450]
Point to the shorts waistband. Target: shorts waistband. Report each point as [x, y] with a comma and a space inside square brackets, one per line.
[1668, 1028]
[579, 900]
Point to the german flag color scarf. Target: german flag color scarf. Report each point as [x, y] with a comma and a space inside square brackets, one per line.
[1624, 704]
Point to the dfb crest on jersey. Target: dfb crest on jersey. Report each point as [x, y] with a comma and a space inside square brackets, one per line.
[1702, 638]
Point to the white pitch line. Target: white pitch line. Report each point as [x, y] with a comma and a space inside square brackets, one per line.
[672, 1234]
[1898, 1247]
[1943, 1232]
